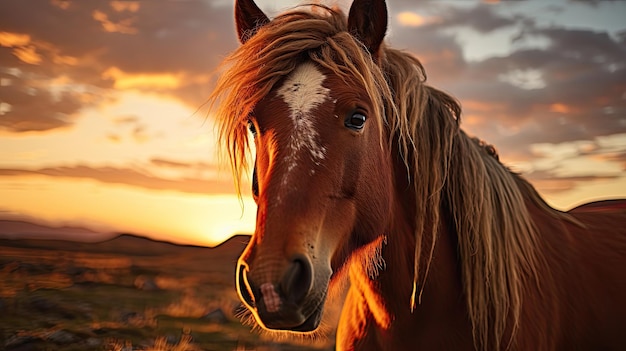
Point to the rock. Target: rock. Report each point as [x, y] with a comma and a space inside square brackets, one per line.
[127, 317]
[48, 308]
[74, 271]
[171, 339]
[216, 316]
[146, 284]
[43, 305]
[62, 337]
[19, 341]
[93, 342]
[101, 331]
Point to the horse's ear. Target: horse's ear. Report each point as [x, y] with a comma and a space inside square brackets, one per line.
[249, 18]
[367, 21]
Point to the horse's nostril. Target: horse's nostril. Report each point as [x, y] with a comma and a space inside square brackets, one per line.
[243, 287]
[298, 279]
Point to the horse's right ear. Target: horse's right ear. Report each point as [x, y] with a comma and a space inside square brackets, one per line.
[249, 18]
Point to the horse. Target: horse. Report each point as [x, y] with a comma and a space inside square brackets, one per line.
[361, 169]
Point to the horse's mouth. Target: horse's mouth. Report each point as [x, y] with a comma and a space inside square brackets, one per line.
[284, 319]
[311, 323]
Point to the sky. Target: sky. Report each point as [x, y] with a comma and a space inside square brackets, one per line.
[103, 122]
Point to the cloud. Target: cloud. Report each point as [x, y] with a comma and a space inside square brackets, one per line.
[124, 80]
[13, 40]
[592, 3]
[31, 107]
[557, 84]
[578, 94]
[169, 48]
[131, 177]
[557, 167]
[160, 162]
[547, 184]
[124, 25]
[481, 17]
[122, 6]
[412, 19]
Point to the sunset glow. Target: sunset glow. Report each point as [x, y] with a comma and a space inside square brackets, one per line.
[164, 215]
[410, 19]
[103, 123]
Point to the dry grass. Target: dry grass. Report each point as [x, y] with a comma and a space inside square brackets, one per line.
[124, 301]
[185, 343]
[187, 306]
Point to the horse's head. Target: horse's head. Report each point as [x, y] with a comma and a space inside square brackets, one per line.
[321, 176]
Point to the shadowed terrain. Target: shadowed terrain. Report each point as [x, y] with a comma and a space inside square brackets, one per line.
[125, 293]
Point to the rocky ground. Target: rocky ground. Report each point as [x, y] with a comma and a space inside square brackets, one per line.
[128, 293]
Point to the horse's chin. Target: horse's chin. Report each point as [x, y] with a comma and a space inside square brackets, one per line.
[310, 324]
[310, 319]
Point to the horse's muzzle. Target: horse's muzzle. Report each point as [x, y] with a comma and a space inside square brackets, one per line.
[287, 304]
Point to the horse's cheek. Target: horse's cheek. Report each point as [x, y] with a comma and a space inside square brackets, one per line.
[378, 195]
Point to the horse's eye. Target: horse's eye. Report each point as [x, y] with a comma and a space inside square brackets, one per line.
[356, 121]
[252, 128]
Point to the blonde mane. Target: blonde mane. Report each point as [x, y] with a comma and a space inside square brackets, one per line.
[448, 170]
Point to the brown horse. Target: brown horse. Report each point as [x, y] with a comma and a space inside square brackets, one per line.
[362, 168]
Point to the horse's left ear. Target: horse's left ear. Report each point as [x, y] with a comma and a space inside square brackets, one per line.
[367, 21]
[249, 18]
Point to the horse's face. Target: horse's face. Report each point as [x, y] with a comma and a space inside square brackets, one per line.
[322, 180]
[322, 184]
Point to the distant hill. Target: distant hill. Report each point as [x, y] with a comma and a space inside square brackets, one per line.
[24, 234]
[18, 229]
[234, 241]
[140, 245]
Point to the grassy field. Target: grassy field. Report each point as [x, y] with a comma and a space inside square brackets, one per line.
[128, 293]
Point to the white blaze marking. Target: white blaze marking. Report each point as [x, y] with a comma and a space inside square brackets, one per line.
[302, 92]
[270, 297]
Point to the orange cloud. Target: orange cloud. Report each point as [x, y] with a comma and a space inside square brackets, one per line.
[4, 108]
[553, 185]
[126, 176]
[27, 50]
[412, 19]
[125, 80]
[65, 60]
[560, 108]
[121, 6]
[124, 26]
[14, 39]
[479, 106]
[22, 50]
[62, 4]
[27, 54]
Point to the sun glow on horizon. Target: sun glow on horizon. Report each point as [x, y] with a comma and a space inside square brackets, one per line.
[164, 215]
[143, 145]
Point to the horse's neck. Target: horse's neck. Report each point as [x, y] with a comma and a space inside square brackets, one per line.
[388, 295]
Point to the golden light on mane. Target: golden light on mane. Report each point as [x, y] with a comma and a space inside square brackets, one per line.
[497, 252]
